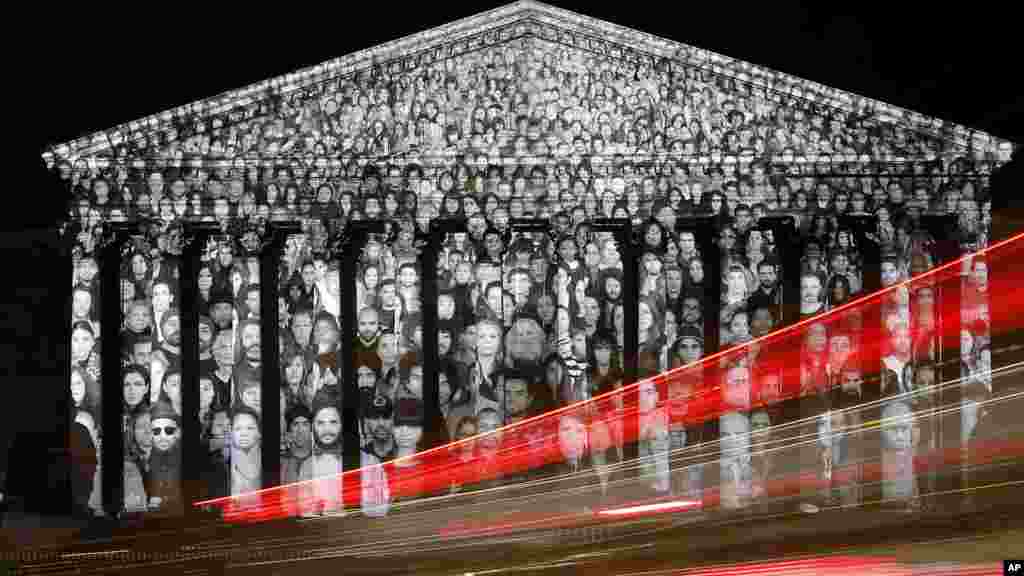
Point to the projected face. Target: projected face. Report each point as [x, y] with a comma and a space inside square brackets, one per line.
[572, 437]
[172, 329]
[371, 278]
[407, 436]
[739, 326]
[172, 387]
[368, 323]
[901, 341]
[487, 339]
[488, 421]
[648, 396]
[206, 393]
[612, 288]
[142, 431]
[161, 297]
[445, 306]
[736, 394]
[817, 338]
[252, 396]
[890, 274]
[767, 277]
[327, 426]
[810, 291]
[245, 431]
[658, 438]
[387, 349]
[735, 433]
[839, 349]
[760, 421]
[979, 276]
[223, 349]
[415, 382]
[896, 432]
[966, 342]
[165, 433]
[251, 343]
[924, 377]
[82, 343]
[135, 388]
[81, 304]
[645, 318]
[830, 424]
[761, 322]
[139, 318]
[77, 387]
[983, 367]
[737, 284]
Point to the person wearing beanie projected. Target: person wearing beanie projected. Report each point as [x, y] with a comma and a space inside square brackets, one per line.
[165, 460]
[325, 464]
[299, 421]
[222, 310]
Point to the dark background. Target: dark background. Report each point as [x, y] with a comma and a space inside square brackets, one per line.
[91, 67]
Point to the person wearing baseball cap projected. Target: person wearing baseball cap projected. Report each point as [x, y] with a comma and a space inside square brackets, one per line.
[378, 427]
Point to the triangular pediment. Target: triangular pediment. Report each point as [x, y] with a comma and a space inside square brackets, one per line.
[639, 63]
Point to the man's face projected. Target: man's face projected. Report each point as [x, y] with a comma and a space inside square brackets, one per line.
[163, 441]
[517, 396]
[737, 388]
[368, 324]
[897, 426]
[327, 426]
[735, 437]
[251, 342]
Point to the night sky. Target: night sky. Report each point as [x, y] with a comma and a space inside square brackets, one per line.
[93, 67]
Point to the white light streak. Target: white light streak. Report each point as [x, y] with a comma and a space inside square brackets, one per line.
[651, 508]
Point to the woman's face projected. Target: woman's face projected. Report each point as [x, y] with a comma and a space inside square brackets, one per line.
[135, 388]
[294, 371]
[81, 344]
[487, 339]
[245, 431]
[696, 271]
[77, 387]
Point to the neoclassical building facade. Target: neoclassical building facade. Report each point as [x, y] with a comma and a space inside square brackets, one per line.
[596, 204]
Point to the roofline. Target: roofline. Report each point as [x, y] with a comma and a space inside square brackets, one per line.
[541, 20]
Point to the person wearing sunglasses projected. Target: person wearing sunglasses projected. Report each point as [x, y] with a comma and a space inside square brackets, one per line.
[165, 460]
